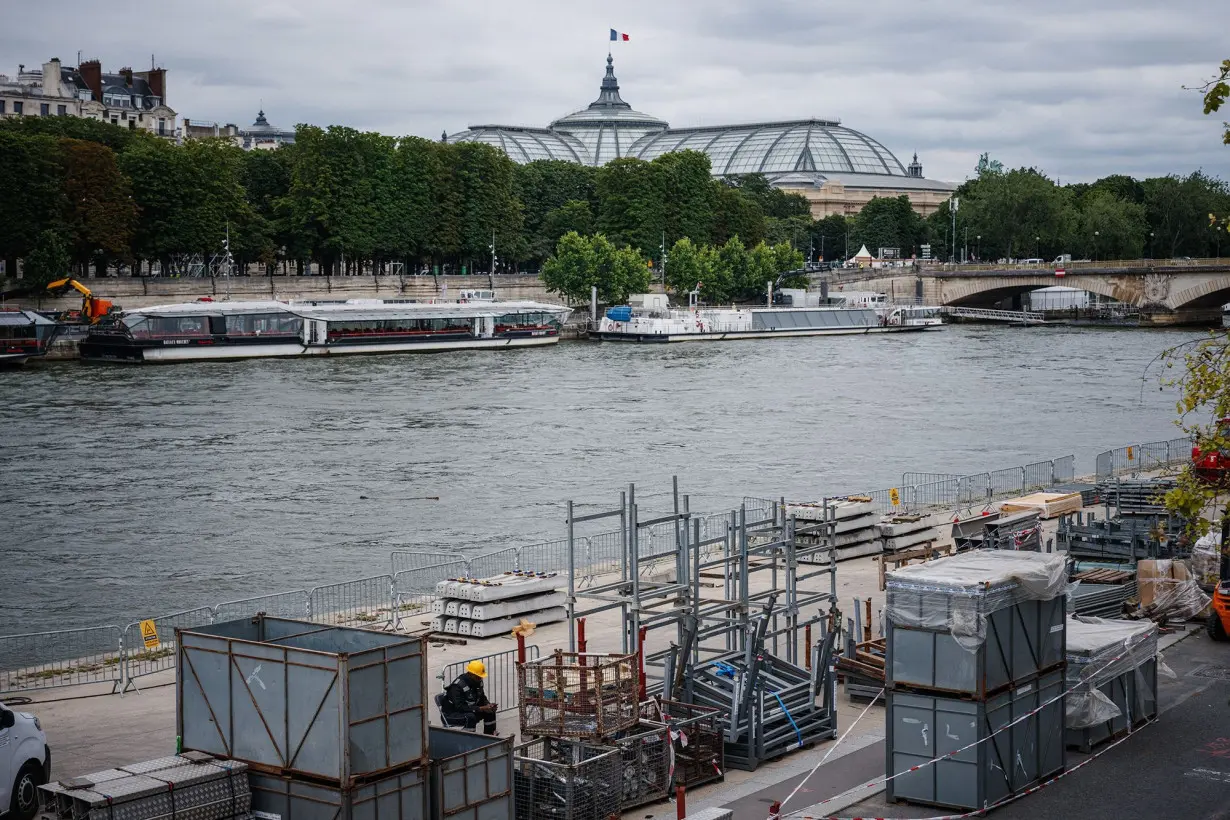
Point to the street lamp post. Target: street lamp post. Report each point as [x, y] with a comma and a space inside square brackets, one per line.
[1037, 247]
[965, 245]
[1096, 234]
[1150, 244]
[978, 246]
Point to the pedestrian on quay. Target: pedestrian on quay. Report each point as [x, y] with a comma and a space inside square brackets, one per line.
[465, 702]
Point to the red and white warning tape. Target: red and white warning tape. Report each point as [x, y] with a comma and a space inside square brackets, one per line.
[1005, 801]
[1142, 638]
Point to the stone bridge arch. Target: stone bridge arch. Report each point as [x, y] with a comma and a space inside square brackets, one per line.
[984, 290]
[1212, 291]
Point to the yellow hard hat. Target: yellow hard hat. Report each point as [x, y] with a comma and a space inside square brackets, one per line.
[477, 668]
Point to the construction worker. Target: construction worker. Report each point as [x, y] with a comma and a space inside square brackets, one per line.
[465, 702]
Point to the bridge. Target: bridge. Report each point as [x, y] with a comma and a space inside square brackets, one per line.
[1166, 291]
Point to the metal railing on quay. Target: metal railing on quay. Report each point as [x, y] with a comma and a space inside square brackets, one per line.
[362, 602]
[1063, 470]
[1133, 459]
[293, 604]
[1038, 475]
[404, 560]
[64, 657]
[501, 683]
[549, 556]
[415, 589]
[146, 654]
[495, 563]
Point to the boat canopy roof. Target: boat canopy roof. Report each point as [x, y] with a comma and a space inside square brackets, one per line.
[356, 310]
[22, 318]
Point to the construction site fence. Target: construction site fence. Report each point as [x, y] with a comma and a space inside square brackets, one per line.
[501, 683]
[1134, 459]
[919, 492]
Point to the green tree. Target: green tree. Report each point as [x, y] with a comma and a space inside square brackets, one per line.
[100, 215]
[795, 231]
[1110, 228]
[829, 237]
[631, 202]
[582, 262]
[686, 183]
[573, 216]
[1216, 91]
[736, 214]
[684, 266]
[77, 128]
[33, 194]
[545, 186]
[888, 222]
[774, 202]
[488, 203]
[48, 261]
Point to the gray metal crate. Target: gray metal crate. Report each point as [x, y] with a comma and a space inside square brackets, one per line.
[394, 797]
[181, 789]
[270, 692]
[923, 727]
[1135, 693]
[645, 752]
[471, 776]
[1022, 640]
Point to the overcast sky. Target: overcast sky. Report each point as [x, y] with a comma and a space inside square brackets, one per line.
[1077, 88]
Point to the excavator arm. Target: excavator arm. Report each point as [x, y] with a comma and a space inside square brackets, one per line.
[92, 308]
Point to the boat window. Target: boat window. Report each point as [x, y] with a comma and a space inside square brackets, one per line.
[527, 320]
[156, 327]
[14, 331]
[264, 324]
[385, 327]
[135, 323]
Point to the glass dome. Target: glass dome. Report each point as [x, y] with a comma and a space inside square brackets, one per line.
[526, 144]
[817, 146]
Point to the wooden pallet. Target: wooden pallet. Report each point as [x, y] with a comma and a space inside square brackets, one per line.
[1105, 576]
[868, 660]
[923, 553]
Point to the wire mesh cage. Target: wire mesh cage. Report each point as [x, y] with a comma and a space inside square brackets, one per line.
[558, 779]
[569, 694]
[696, 736]
[645, 755]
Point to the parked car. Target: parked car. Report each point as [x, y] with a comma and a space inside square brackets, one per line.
[25, 763]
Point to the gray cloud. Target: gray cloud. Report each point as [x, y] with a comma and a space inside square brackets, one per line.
[1079, 90]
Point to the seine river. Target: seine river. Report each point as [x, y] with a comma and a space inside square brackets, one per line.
[128, 492]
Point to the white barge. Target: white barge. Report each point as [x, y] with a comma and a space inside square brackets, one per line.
[660, 324]
[202, 330]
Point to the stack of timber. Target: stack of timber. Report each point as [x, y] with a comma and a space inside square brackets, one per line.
[1048, 505]
[861, 668]
[1111, 677]
[191, 786]
[974, 641]
[487, 607]
[851, 525]
[902, 532]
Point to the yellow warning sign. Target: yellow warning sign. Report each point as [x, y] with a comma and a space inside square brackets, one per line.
[149, 634]
[894, 497]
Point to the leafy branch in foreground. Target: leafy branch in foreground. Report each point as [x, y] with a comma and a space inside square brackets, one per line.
[1204, 398]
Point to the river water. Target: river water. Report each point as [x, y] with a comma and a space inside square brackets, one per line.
[128, 492]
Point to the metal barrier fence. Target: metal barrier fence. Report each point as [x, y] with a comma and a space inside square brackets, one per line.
[550, 556]
[158, 655]
[65, 657]
[1138, 458]
[406, 560]
[1063, 470]
[501, 683]
[365, 602]
[293, 604]
[495, 563]
[414, 590]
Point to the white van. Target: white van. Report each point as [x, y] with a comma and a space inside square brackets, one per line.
[25, 763]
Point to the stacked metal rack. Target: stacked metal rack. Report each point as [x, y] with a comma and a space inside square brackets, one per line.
[1139, 496]
[744, 648]
[1126, 539]
[974, 641]
[192, 786]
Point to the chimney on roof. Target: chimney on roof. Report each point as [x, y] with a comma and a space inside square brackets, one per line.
[51, 78]
[91, 74]
[126, 73]
[157, 79]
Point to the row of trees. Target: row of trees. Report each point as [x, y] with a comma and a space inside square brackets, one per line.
[1022, 213]
[350, 201]
[723, 273]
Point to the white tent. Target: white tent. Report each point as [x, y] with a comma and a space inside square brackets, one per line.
[862, 257]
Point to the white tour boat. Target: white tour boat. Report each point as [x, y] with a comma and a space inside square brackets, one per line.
[651, 320]
[202, 330]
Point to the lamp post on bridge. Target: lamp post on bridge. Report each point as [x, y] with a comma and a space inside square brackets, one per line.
[1150, 244]
[1037, 247]
[1096, 235]
[978, 246]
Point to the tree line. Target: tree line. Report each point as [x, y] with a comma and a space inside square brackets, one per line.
[84, 193]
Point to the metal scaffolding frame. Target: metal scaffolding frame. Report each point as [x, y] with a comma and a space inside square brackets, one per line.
[756, 632]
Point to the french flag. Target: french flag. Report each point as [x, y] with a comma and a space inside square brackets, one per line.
[618, 35]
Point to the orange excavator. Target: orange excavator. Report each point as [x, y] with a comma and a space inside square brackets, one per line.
[92, 308]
